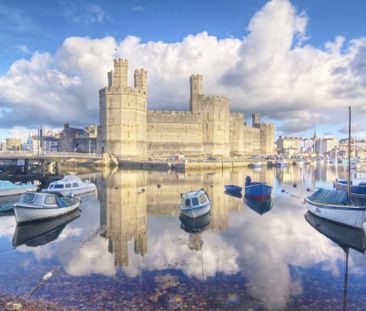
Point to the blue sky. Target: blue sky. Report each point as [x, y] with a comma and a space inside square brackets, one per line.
[27, 27]
[43, 25]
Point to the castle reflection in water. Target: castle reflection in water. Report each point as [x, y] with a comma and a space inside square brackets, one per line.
[128, 198]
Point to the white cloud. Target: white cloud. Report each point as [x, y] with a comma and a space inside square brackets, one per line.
[138, 8]
[23, 49]
[271, 70]
[84, 13]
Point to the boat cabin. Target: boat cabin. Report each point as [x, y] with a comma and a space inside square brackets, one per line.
[194, 199]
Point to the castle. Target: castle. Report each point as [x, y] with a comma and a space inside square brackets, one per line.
[128, 129]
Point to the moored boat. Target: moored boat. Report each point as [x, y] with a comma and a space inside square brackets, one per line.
[338, 205]
[8, 188]
[256, 164]
[281, 163]
[257, 190]
[73, 185]
[357, 185]
[195, 203]
[233, 188]
[335, 205]
[195, 225]
[34, 206]
[42, 232]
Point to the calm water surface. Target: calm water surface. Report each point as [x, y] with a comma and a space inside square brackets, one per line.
[128, 248]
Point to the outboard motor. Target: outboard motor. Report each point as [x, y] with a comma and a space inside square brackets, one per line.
[248, 181]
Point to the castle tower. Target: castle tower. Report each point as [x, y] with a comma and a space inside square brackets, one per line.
[123, 112]
[267, 133]
[256, 120]
[118, 77]
[140, 80]
[126, 214]
[196, 89]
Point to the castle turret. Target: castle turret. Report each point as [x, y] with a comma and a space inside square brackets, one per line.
[118, 77]
[123, 110]
[196, 87]
[140, 78]
[256, 120]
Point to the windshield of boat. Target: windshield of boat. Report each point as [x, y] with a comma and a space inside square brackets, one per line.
[50, 199]
[202, 198]
[28, 197]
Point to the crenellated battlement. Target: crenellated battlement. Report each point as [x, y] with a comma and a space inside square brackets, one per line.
[124, 91]
[268, 125]
[140, 71]
[216, 100]
[121, 61]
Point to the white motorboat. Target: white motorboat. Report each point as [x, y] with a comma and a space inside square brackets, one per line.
[34, 206]
[42, 232]
[256, 164]
[72, 185]
[195, 203]
[281, 163]
[8, 188]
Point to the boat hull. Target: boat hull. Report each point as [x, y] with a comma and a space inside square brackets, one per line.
[81, 192]
[349, 216]
[42, 232]
[259, 206]
[29, 214]
[17, 191]
[196, 211]
[258, 191]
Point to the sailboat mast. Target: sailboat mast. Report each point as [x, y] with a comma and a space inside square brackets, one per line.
[349, 152]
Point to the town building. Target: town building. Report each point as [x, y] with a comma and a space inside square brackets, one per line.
[38, 143]
[13, 144]
[326, 146]
[289, 146]
[76, 140]
[128, 129]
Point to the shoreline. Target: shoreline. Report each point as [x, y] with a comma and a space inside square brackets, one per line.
[13, 302]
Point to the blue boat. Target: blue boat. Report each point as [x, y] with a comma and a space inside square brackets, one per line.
[358, 185]
[257, 190]
[259, 207]
[233, 188]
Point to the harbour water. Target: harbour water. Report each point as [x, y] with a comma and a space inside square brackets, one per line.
[128, 248]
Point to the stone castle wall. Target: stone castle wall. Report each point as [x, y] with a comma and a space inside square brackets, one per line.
[252, 141]
[236, 133]
[127, 129]
[174, 132]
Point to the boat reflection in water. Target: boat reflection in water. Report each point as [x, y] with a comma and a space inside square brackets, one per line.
[41, 233]
[344, 236]
[234, 194]
[195, 225]
[259, 206]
